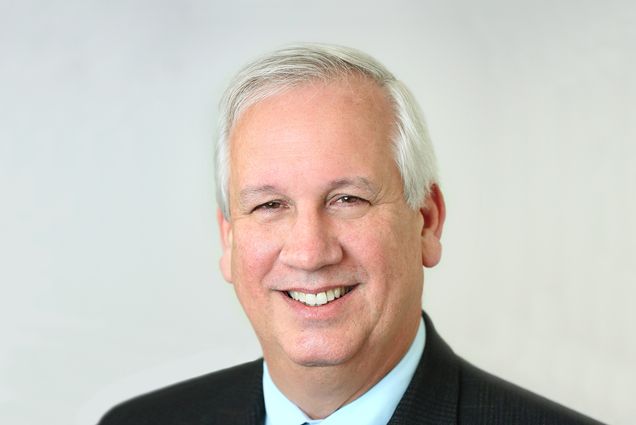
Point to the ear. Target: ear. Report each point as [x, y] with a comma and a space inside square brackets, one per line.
[225, 229]
[433, 211]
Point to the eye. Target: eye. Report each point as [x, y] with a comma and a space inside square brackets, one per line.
[348, 206]
[349, 200]
[269, 206]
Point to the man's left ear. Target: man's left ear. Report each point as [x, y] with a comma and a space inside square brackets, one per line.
[225, 229]
[433, 211]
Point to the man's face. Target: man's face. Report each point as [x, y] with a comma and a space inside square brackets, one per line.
[318, 214]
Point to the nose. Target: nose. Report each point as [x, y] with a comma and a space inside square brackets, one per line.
[312, 243]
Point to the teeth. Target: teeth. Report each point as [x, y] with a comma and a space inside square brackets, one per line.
[330, 295]
[321, 298]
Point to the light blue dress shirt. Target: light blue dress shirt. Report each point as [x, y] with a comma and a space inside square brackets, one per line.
[375, 407]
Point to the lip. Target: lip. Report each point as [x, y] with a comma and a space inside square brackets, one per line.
[322, 312]
[318, 290]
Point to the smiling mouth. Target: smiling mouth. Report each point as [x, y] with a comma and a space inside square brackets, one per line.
[321, 298]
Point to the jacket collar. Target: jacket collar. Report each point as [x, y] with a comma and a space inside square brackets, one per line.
[433, 394]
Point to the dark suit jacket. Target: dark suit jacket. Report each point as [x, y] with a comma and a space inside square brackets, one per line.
[445, 390]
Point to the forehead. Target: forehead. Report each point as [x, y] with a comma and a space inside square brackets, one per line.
[316, 126]
[355, 102]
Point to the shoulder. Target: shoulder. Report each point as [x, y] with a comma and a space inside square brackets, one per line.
[228, 396]
[447, 389]
[487, 399]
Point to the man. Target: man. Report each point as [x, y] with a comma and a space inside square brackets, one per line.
[329, 209]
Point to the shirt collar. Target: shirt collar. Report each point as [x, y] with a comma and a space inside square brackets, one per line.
[374, 407]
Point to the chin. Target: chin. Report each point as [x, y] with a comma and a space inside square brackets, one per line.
[318, 362]
[320, 355]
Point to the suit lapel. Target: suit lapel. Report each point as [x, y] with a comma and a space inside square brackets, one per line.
[243, 402]
[433, 394]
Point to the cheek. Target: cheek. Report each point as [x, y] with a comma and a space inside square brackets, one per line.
[383, 240]
[253, 253]
[390, 252]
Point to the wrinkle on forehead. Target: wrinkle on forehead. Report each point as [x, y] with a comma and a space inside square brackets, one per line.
[248, 193]
[365, 98]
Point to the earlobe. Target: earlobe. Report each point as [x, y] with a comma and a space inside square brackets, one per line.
[225, 229]
[433, 212]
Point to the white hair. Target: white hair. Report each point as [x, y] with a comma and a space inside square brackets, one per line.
[299, 64]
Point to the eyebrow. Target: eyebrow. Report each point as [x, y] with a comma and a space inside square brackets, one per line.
[247, 195]
[357, 182]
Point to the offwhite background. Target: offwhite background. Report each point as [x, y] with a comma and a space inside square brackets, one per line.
[109, 280]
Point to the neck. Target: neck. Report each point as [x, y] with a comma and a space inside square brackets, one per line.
[321, 390]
